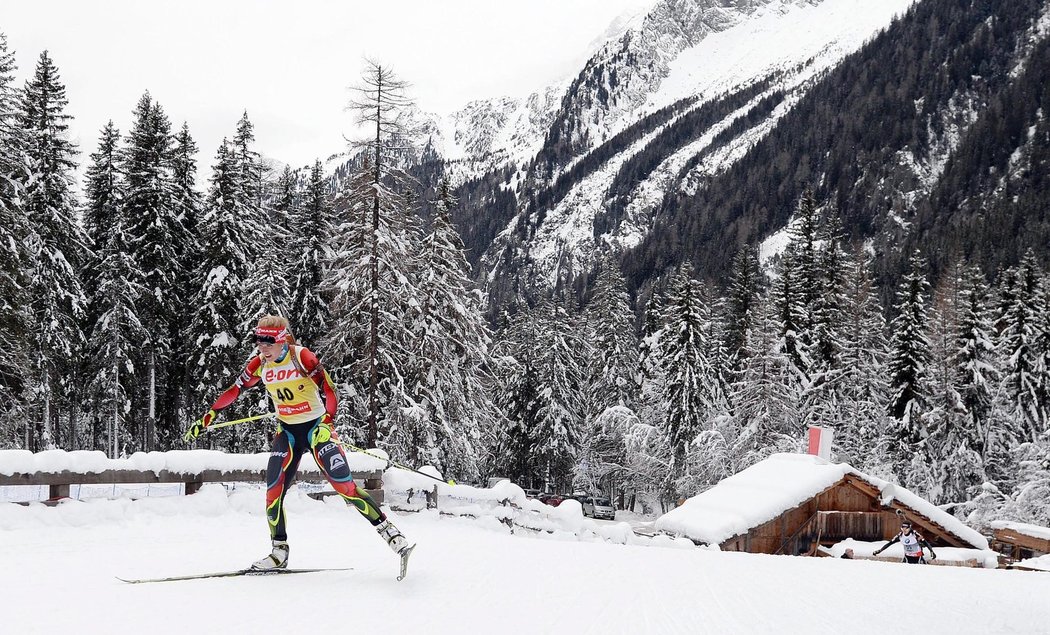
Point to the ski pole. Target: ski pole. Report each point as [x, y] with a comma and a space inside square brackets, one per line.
[394, 463]
[244, 420]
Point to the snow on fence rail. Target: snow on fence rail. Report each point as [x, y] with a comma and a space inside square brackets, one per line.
[58, 469]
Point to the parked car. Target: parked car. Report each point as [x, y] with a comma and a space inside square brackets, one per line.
[532, 493]
[598, 507]
[550, 498]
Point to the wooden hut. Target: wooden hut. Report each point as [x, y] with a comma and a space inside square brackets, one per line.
[795, 503]
[1020, 541]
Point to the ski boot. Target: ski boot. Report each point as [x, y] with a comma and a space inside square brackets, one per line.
[278, 558]
[392, 535]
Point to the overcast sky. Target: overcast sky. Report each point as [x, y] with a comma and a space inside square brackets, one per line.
[289, 64]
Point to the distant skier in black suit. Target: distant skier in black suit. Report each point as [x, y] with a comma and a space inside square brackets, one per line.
[913, 543]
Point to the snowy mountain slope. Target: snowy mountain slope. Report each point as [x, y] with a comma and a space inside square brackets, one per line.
[465, 576]
[909, 141]
[704, 50]
[651, 59]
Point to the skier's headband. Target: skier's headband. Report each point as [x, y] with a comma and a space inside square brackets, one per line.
[270, 335]
[905, 525]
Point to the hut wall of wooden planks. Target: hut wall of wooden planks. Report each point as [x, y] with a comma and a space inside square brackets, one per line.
[1019, 545]
[850, 508]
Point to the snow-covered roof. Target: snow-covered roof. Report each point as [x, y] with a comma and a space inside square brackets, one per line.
[779, 483]
[1035, 531]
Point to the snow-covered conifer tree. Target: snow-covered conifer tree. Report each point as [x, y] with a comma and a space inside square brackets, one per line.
[909, 357]
[647, 452]
[1024, 375]
[284, 194]
[103, 191]
[963, 395]
[222, 268]
[115, 337]
[861, 387]
[805, 233]
[58, 247]
[826, 315]
[944, 415]
[792, 312]
[975, 358]
[766, 392]
[266, 289]
[178, 402]
[614, 358]
[1028, 499]
[517, 367]
[14, 260]
[692, 392]
[559, 417]
[451, 405]
[822, 396]
[745, 285]
[155, 230]
[379, 216]
[309, 307]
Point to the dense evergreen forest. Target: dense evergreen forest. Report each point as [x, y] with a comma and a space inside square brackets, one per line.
[127, 308]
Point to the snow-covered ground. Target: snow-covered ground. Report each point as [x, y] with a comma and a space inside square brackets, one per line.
[467, 575]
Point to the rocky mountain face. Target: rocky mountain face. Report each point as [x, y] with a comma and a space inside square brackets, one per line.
[931, 136]
[693, 132]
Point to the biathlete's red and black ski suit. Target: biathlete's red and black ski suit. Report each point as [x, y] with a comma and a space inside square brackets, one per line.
[305, 398]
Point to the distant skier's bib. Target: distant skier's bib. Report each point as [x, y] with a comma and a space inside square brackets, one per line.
[296, 397]
[911, 544]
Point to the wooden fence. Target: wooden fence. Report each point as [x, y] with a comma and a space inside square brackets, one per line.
[58, 482]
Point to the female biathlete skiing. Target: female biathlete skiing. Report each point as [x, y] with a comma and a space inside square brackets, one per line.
[304, 396]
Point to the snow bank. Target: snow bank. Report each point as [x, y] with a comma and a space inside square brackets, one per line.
[505, 507]
[779, 483]
[986, 558]
[1042, 563]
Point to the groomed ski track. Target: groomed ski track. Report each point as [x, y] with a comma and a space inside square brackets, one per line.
[467, 576]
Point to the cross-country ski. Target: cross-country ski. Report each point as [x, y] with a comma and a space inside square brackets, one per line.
[230, 574]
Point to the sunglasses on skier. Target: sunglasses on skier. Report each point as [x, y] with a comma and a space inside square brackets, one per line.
[264, 339]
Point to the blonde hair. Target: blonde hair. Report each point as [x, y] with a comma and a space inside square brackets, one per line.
[277, 321]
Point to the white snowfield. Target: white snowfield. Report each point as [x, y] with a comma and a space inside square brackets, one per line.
[466, 576]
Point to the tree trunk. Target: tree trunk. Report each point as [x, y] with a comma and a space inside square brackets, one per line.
[373, 347]
[151, 423]
[114, 426]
